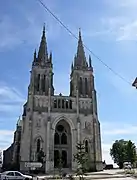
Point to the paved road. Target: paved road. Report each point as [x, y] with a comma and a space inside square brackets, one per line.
[128, 178]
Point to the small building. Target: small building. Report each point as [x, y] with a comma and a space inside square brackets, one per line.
[11, 156]
[8, 157]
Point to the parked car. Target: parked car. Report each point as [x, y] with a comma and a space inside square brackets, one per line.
[12, 175]
[127, 165]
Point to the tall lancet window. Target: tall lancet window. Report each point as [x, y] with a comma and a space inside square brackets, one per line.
[43, 83]
[38, 82]
[86, 86]
[80, 85]
[38, 145]
[86, 146]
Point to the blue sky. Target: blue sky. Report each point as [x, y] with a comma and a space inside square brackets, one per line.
[109, 29]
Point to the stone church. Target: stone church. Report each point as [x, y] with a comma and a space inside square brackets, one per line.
[56, 123]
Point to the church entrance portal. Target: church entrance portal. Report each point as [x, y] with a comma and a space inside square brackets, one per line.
[62, 145]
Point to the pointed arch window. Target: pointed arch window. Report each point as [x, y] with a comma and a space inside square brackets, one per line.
[38, 82]
[43, 83]
[63, 138]
[86, 86]
[86, 146]
[63, 104]
[70, 104]
[80, 85]
[38, 145]
[56, 138]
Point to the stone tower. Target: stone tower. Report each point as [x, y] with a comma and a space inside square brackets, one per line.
[55, 123]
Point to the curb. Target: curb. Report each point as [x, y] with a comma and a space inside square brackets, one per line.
[93, 177]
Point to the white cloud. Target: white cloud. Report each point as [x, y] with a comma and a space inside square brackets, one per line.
[28, 30]
[128, 31]
[122, 84]
[121, 22]
[6, 138]
[112, 131]
[10, 94]
[11, 99]
[111, 128]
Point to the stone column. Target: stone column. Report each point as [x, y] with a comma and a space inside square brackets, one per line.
[78, 130]
[48, 146]
[48, 135]
[78, 121]
[74, 139]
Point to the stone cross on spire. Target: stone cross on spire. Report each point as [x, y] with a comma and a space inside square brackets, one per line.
[43, 53]
[80, 59]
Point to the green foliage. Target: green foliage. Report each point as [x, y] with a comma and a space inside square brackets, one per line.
[123, 151]
[60, 165]
[40, 156]
[81, 157]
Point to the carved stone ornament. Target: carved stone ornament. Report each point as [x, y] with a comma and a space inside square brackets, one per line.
[38, 123]
[88, 126]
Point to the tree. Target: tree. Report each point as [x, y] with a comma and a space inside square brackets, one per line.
[123, 151]
[131, 152]
[81, 157]
[40, 156]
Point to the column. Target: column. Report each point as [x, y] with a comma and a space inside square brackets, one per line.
[48, 134]
[78, 129]
[48, 146]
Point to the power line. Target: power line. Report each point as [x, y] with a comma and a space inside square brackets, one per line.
[86, 47]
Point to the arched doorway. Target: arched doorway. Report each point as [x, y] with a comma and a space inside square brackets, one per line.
[62, 145]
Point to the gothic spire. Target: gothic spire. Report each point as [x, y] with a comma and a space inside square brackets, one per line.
[43, 53]
[72, 66]
[80, 61]
[50, 57]
[90, 63]
[35, 54]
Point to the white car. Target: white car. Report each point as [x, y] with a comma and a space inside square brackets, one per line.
[13, 175]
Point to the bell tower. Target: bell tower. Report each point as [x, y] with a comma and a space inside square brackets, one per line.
[81, 77]
[42, 70]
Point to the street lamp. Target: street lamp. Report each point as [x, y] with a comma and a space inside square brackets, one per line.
[134, 84]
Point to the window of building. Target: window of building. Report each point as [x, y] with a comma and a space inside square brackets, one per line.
[56, 138]
[43, 83]
[67, 106]
[55, 103]
[38, 145]
[63, 104]
[60, 128]
[80, 85]
[86, 146]
[59, 103]
[56, 158]
[70, 104]
[86, 86]
[63, 138]
[38, 82]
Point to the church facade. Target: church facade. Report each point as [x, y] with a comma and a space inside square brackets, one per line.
[56, 123]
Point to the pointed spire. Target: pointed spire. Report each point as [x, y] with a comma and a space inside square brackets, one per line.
[43, 53]
[80, 34]
[50, 57]
[35, 54]
[18, 121]
[80, 60]
[90, 63]
[72, 66]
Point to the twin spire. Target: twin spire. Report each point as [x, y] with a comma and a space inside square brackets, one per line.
[80, 61]
[42, 58]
